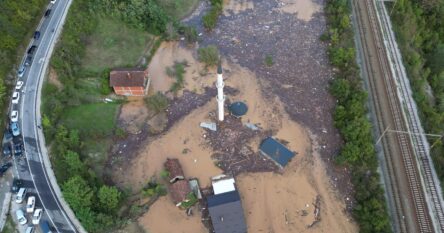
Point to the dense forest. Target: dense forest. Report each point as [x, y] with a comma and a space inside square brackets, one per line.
[419, 28]
[17, 18]
[358, 152]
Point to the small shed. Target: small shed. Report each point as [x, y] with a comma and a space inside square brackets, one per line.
[174, 169]
[179, 191]
[277, 152]
[238, 109]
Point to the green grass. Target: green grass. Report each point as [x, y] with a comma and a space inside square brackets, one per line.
[114, 44]
[9, 225]
[92, 120]
[97, 151]
[178, 8]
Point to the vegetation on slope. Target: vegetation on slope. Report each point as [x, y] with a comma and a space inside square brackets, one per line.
[77, 124]
[17, 19]
[358, 152]
[419, 28]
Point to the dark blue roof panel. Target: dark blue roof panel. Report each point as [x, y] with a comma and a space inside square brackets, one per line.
[223, 198]
[276, 151]
[238, 109]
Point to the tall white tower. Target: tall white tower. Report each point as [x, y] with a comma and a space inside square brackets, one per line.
[220, 93]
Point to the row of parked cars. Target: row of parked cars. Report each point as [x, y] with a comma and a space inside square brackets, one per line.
[30, 209]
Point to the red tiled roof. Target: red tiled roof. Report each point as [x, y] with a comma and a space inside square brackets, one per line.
[127, 77]
[179, 190]
[174, 168]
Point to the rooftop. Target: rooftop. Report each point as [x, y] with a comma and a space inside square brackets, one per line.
[226, 213]
[238, 109]
[174, 169]
[127, 77]
[273, 149]
[223, 184]
[179, 190]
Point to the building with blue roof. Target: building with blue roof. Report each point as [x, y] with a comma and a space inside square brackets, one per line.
[275, 151]
[226, 212]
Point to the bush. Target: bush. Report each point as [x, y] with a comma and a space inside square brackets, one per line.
[208, 55]
[268, 60]
[157, 102]
[190, 201]
[190, 33]
[210, 19]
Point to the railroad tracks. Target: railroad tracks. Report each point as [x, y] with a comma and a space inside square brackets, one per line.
[408, 201]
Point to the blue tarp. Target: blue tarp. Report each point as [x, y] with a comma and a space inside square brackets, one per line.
[276, 151]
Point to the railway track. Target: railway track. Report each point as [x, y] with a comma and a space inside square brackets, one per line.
[406, 192]
[421, 146]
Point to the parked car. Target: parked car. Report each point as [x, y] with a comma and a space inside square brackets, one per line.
[21, 194]
[15, 129]
[21, 71]
[53, 1]
[28, 60]
[7, 136]
[19, 85]
[18, 149]
[30, 205]
[48, 12]
[32, 49]
[15, 97]
[14, 116]
[21, 217]
[36, 35]
[16, 185]
[37, 216]
[30, 229]
[44, 226]
[7, 150]
[5, 167]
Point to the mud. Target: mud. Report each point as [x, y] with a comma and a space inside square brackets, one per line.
[300, 74]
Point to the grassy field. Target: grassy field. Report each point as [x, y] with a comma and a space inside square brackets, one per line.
[92, 120]
[178, 8]
[114, 44]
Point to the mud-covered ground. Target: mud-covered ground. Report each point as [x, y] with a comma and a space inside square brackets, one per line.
[253, 29]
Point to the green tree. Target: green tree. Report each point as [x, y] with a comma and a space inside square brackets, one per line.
[109, 198]
[78, 193]
[208, 55]
[74, 165]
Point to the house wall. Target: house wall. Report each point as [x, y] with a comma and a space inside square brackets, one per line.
[130, 91]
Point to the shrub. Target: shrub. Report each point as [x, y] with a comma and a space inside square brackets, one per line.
[268, 60]
[190, 201]
[208, 55]
[157, 102]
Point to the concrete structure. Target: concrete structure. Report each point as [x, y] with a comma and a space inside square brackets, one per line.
[129, 81]
[275, 151]
[220, 93]
[223, 184]
[226, 212]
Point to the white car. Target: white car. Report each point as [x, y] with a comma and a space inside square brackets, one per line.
[15, 97]
[21, 217]
[37, 216]
[14, 116]
[19, 85]
[30, 205]
[53, 1]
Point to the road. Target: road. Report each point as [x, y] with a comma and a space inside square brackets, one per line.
[35, 169]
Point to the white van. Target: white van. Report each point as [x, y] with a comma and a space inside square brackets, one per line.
[30, 229]
[20, 195]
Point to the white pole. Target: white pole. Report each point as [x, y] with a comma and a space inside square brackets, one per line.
[220, 93]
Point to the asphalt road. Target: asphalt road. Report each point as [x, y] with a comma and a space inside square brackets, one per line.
[31, 169]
